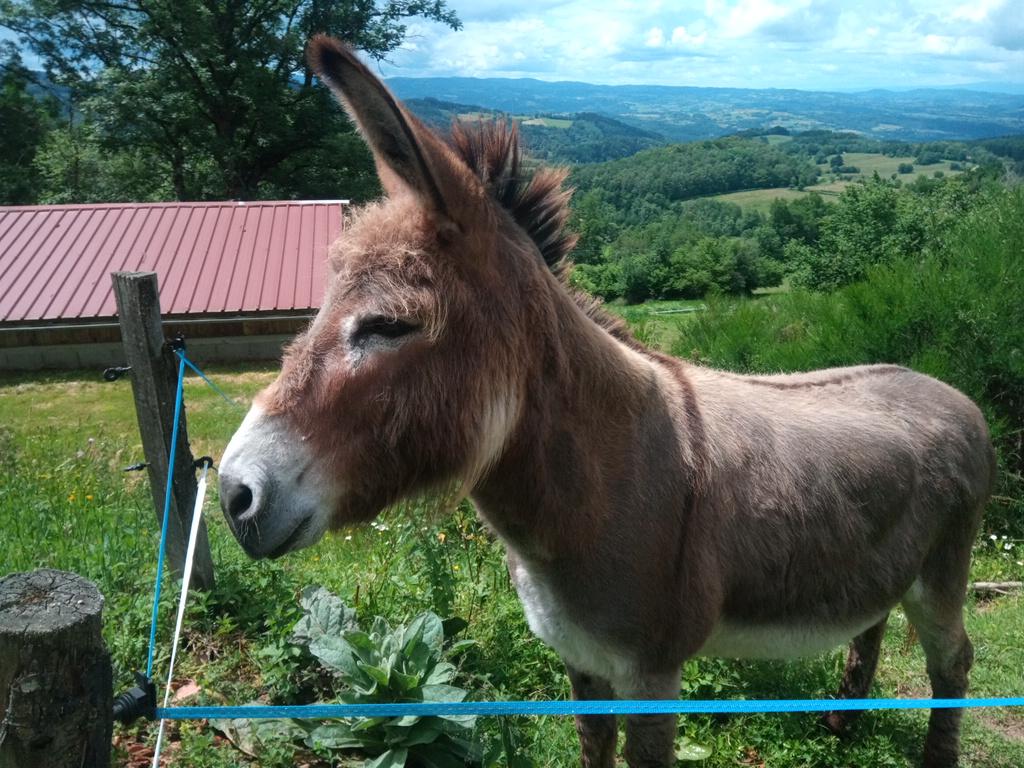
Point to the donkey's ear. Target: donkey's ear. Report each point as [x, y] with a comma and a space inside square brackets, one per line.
[403, 149]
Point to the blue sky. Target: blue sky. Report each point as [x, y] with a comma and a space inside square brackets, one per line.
[808, 44]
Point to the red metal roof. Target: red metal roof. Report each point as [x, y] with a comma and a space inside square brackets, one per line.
[210, 258]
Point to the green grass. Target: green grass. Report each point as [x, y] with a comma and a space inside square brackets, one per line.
[870, 163]
[760, 199]
[657, 323]
[548, 122]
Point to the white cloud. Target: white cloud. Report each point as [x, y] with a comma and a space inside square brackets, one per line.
[815, 44]
[681, 37]
[655, 38]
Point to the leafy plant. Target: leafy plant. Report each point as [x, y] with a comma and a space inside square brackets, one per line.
[385, 664]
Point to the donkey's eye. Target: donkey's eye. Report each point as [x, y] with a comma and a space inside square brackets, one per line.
[382, 327]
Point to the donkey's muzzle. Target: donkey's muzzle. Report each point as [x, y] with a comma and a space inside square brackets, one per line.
[236, 499]
[271, 490]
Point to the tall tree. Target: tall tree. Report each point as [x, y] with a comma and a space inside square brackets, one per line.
[25, 120]
[218, 89]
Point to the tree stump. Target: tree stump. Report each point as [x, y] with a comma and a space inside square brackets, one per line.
[56, 688]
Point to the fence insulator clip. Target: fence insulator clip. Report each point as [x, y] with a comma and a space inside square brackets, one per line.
[136, 467]
[177, 344]
[137, 702]
[203, 461]
[116, 372]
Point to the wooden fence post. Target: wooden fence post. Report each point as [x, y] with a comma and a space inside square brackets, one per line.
[56, 696]
[154, 378]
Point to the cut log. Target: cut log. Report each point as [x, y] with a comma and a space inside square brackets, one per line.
[56, 698]
[989, 588]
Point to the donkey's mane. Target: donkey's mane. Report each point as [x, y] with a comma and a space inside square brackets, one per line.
[538, 202]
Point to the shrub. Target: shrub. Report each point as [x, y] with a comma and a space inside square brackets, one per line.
[383, 665]
[954, 314]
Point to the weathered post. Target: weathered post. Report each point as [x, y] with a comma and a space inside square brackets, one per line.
[154, 375]
[56, 694]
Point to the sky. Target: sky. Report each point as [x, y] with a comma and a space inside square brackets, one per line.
[806, 44]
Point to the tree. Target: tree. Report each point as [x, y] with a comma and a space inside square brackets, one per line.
[25, 120]
[218, 90]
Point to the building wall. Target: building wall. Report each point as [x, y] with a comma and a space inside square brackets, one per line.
[106, 354]
[98, 346]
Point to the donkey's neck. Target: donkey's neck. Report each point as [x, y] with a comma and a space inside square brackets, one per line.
[583, 411]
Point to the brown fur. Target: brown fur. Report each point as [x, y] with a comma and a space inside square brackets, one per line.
[652, 509]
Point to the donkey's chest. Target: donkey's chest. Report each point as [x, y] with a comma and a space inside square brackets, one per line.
[551, 618]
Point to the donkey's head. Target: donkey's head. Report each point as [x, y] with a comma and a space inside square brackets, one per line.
[412, 375]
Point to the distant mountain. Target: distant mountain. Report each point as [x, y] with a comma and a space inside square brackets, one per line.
[584, 137]
[689, 113]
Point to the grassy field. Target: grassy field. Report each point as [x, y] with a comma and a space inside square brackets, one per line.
[548, 122]
[761, 199]
[65, 503]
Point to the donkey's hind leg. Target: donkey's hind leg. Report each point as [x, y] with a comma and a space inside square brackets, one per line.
[650, 739]
[937, 615]
[861, 663]
[598, 733]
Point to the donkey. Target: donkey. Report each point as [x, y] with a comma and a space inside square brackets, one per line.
[652, 509]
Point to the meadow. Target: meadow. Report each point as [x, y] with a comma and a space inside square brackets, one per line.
[831, 185]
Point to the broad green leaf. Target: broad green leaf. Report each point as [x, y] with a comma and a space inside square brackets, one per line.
[442, 673]
[419, 657]
[407, 721]
[249, 735]
[378, 674]
[691, 750]
[380, 627]
[433, 631]
[443, 693]
[403, 681]
[364, 645]
[337, 735]
[393, 758]
[336, 654]
[463, 721]
[424, 732]
[325, 614]
[412, 636]
[367, 723]
[460, 646]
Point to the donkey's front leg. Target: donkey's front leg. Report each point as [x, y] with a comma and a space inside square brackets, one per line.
[650, 739]
[597, 733]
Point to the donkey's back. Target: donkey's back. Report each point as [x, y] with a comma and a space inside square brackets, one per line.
[833, 496]
[829, 491]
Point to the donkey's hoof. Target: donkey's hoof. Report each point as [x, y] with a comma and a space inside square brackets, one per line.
[837, 723]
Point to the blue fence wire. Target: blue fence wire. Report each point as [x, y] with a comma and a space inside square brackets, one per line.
[504, 708]
[207, 379]
[594, 707]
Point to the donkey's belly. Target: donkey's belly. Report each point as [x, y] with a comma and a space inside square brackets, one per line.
[733, 640]
[578, 647]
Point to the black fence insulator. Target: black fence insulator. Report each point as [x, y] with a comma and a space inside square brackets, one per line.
[116, 372]
[178, 342]
[204, 461]
[136, 467]
[137, 702]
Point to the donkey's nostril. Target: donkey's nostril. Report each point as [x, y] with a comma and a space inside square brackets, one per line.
[239, 500]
